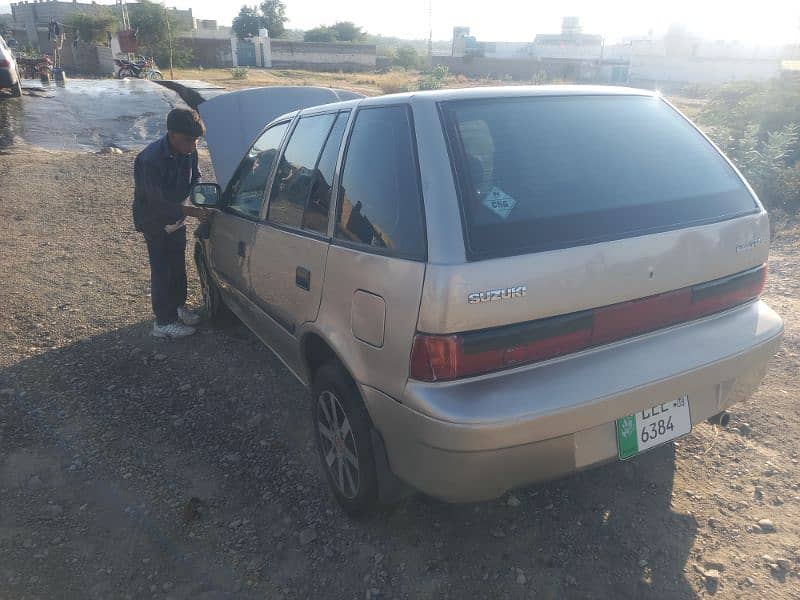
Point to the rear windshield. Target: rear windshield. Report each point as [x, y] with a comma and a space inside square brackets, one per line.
[551, 172]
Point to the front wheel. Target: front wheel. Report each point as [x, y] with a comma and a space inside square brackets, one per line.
[342, 432]
[154, 75]
[216, 311]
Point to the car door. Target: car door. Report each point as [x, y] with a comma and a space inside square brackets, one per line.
[290, 246]
[376, 262]
[233, 226]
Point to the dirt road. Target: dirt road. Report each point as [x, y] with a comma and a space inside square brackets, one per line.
[135, 468]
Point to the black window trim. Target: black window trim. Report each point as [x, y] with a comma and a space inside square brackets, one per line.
[255, 219]
[335, 241]
[264, 217]
[456, 154]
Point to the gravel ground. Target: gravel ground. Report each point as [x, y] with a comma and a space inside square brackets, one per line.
[131, 467]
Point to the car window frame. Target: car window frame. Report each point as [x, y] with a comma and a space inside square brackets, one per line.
[225, 207]
[361, 247]
[328, 235]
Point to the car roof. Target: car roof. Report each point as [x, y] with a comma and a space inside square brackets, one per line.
[475, 93]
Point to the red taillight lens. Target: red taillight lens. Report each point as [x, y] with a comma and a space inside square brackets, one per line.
[629, 318]
[720, 294]
[4, 63]
[448, 357]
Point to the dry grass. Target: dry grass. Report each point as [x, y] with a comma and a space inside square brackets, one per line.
[370, 84]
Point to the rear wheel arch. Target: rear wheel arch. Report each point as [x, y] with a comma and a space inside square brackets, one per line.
[316, 352]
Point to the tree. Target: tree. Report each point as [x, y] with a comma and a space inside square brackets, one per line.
[274, 13]
[92, 29]
[320, 34]
[5, 25]
[347, 31]
[248, 22]
[154, 26]
[407, 57]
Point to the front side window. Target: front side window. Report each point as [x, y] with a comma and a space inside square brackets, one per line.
[380, 203]
[245, 193]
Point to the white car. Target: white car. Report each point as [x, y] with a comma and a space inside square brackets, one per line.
[9, 74]
[490, 287]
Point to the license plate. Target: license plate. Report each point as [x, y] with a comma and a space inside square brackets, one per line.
[653, 427]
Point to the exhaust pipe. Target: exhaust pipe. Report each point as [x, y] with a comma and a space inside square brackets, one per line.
[722, 419]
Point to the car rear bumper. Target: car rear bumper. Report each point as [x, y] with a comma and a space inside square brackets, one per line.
[474, 439]
[8, 78]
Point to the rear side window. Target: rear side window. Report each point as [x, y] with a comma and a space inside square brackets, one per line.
[552, 172]
[319, 201]
[297, 170]
[380, 201]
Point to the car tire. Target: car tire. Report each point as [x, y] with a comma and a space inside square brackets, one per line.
[16, 89]
[216, 312]
[342, 430]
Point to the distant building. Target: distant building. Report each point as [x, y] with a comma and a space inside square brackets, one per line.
[507, 49]
[682, 58]
[571, 44]
[30, 19]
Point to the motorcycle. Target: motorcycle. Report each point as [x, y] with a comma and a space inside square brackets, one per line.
[143, 68]
[38, 67]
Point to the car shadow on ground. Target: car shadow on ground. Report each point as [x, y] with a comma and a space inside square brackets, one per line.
[140, 428]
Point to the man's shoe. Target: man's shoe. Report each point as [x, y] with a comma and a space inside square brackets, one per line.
[188, 317]
[173, 330]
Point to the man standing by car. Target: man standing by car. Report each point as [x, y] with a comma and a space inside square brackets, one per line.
[164, 173]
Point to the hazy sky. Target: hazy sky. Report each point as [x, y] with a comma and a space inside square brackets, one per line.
[761, 21]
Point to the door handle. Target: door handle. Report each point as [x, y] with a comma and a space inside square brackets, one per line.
[302, 278]
[241, 249]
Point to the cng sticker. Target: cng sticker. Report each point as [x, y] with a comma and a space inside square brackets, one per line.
[500, 203]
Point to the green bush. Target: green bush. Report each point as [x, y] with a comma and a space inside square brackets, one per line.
[434, 79]
[758, 126]
[407, 57]
[240, 72]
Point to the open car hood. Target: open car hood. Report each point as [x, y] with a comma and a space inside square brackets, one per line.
[234, 120]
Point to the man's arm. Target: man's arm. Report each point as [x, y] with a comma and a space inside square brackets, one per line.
[196, 173]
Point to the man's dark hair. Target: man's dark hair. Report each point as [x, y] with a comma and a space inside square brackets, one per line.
[185, 121]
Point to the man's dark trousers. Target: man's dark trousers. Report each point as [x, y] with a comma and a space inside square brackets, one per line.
[167, 253]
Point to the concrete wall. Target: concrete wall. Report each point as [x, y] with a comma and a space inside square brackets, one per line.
[321, 56]
[206, 52]
[517, 69]
[567, 51]
[105, 61]
[652, 71]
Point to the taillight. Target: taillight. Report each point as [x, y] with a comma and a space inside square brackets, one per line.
[448, 357]
[715, 296]
[4, 63]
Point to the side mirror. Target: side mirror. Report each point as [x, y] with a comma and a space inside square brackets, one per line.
[206, 195]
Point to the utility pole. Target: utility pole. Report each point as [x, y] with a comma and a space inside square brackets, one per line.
[430, 29]
[169, 40]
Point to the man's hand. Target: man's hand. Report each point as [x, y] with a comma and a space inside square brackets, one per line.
[196, 212]
[175, 226]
